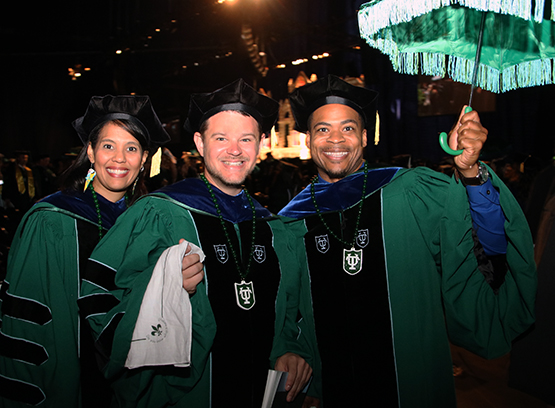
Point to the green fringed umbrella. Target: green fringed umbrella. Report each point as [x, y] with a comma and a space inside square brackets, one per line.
[497, 45]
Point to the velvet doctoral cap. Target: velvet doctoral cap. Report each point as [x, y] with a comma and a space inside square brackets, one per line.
[238, 96]
[328, 90]
[136, 109]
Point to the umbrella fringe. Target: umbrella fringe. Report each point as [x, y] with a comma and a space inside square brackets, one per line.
[533, 73]
[538, 12]
[385, 13]
[516, 8]
[523, 75]
[376, 15]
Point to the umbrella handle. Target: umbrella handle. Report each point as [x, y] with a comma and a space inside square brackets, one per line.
[443, 140]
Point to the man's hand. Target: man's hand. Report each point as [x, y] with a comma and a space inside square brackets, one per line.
[299, 373]
[468, 134]
[192, 270]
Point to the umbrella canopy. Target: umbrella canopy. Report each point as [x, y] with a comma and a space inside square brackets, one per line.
[441, 37]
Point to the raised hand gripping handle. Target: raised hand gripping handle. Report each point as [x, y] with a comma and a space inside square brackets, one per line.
[443, 140]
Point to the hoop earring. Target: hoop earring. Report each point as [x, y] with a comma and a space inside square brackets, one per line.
[89, 177]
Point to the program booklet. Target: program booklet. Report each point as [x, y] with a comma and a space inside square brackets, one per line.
[275, 394]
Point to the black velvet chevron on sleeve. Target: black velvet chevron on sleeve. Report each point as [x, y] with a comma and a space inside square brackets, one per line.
[22, 350]
[99, 275]
[98, 303]
[22, 392]
[24, 309]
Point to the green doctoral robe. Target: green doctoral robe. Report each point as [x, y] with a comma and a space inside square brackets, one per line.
[230, 354]
[383, 333]
[43, 346]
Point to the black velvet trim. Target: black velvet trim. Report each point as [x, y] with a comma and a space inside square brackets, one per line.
[99, 275]
[352, 310]
[24, 309]
[95, 389]
[494, 268]
[4, 290]
[104, 343]
[244, 337]
[97, 304]
[19, 349]
[21, 392]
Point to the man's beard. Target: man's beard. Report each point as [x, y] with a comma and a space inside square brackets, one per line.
[337, 174]
[233, 185]
[217, 176]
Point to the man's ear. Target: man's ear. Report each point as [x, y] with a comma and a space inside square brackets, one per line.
[307, 139]
[199, 143]
[364, 139]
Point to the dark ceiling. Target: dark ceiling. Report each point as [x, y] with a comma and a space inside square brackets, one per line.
[169, 49]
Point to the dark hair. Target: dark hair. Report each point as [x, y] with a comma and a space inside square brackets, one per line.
[204, 125]
[73, 179]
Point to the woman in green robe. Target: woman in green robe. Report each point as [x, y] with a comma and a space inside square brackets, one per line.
[46, 356]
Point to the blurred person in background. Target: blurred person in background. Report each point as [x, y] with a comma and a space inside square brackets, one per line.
[19, 190]
[45, 179]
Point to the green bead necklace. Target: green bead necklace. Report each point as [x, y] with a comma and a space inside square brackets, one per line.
[97, 207]
[352, 259]
[244, 291]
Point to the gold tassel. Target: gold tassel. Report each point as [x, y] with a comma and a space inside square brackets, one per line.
[155, 163]
[21, 181]
[377, 132]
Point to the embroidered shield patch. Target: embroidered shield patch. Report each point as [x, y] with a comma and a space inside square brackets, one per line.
[362, 238]
[259, 253]
[221, 253]
[352, 261]
[244, 294]
[322, 243]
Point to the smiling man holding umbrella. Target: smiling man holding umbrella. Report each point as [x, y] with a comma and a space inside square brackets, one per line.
[400, 261]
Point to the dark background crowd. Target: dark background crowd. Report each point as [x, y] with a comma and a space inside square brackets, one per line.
[274, 182]
[170, 50]
[56, 56]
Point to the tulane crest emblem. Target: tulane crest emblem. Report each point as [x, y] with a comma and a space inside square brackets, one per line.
[259, 253]
[221, 253]
[322, 243]
[362, 238]
[244, 294]
[352, 261]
